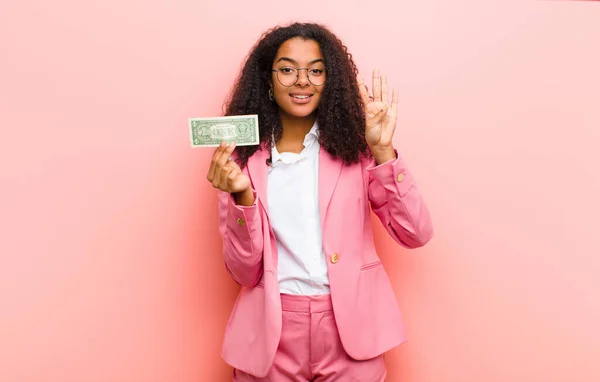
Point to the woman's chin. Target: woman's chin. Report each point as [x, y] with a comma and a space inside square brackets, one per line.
[297, 112]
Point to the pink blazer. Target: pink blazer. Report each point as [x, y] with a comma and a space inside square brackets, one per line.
[365, 308]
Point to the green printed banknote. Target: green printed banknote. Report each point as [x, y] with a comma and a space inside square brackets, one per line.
[209, 132]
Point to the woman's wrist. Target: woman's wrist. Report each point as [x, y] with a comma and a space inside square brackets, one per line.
[244, 198]
[383, 154]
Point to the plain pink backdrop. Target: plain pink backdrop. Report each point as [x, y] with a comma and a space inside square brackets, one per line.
[110, 257]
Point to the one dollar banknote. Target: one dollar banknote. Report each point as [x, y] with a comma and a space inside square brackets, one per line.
[210, 132]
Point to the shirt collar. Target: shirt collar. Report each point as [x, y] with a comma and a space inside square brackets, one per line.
[311, 137]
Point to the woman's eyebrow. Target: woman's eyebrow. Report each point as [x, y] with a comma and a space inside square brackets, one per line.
[296, 63]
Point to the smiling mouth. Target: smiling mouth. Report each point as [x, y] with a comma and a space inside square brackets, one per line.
[301, 96]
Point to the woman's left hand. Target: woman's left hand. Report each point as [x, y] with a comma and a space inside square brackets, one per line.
[380, 117]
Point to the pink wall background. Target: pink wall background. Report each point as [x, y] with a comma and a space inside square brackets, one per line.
[110, 257]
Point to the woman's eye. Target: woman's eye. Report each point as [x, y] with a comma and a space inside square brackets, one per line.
[286, 70]
[316, 72]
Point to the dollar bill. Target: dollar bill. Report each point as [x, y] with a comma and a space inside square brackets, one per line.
[209, 132]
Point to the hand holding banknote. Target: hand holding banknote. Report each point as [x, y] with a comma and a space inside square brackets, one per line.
[227, 176]
[224, 173]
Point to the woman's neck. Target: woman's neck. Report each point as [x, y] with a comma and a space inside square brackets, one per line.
[294, 132]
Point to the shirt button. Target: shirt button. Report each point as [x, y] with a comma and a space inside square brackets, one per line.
[334, 258]
[400, 178]
[241, 222]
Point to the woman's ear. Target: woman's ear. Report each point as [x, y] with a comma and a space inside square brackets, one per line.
[271, 90]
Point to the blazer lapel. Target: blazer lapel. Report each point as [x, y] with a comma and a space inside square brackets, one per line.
[329, 173]
[258, 172]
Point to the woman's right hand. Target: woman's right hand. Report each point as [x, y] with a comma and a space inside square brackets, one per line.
[227, 176]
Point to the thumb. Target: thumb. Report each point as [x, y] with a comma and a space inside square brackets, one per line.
[235, 166]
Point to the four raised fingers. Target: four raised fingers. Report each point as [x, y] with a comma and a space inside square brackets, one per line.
[380, 88]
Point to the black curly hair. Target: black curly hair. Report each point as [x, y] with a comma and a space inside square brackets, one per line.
[340, 113]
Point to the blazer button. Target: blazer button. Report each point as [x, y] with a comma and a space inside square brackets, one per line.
[241, 222]
[400, 178]
[334, 258]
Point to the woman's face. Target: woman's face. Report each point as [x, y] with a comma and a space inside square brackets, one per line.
[298, 98]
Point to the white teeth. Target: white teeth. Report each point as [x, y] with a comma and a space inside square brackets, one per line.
[301, 96]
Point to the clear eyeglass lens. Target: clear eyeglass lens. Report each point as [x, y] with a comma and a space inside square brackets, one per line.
[288, 76]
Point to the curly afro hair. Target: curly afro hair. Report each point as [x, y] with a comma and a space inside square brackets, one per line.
[340, 114]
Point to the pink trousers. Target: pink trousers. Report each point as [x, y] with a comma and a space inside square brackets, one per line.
[310, 347]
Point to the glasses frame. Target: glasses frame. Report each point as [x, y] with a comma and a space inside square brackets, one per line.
[297, 76]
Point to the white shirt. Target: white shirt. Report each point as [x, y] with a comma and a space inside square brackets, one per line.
[293, 202]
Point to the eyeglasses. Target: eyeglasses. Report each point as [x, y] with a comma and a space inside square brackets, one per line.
[288, 76]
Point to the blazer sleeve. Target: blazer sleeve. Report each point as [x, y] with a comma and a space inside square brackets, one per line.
[397, 202]
[241, 231]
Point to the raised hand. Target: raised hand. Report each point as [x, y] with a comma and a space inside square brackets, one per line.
[380, 117]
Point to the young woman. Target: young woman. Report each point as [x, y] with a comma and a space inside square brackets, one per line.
[315, 302]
